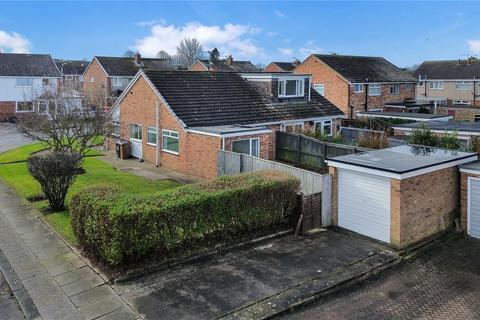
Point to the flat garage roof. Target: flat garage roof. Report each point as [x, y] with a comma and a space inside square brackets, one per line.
[404, 159]
[473, 167]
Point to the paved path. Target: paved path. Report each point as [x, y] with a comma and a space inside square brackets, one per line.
[442, 284]
[9, 310]
[10, 138]
[46, 271]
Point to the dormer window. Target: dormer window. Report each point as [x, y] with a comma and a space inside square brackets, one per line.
[288, 88]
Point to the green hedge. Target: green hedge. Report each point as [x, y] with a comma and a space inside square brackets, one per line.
[118, 227]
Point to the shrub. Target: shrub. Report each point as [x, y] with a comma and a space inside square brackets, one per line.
[372, 141]
[324, 137]
[450, 140]
[118, 227]
[475, 144]
[56, 172]
[423, 136]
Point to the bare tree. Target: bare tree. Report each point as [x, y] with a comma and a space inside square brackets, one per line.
[189, 51]
[64, 119]
[163, 55]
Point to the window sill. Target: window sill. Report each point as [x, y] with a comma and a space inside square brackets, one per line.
[301, 96]
[151, 144]
[374, 95]
[171, 152]
[25, 111]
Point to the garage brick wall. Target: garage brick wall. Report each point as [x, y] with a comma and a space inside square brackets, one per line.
[7, 109]
[423, 206]
[464, 197]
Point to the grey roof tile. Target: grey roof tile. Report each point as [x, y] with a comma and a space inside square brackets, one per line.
[27, 65]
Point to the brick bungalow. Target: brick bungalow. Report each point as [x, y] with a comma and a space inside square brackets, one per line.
[197, 113]
[223, 65]
[107, 77]
[278, 66]
[356, 83]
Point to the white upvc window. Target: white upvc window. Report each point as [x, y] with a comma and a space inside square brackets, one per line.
[436, 85]
[293, 127]
[247, 146]
[116, 128]
[24, 106]
[395, 88]
[358, 88]
[461, 102]
[43, 106]
[152, 136]
[119, 82]
[92, 80]
[136, 131]
[408, 86]
[374, 89]
[288, 88]
[463, 85]
[324, 127]
[320, 88]
[170, 141]
[24, 82]
[476, 118]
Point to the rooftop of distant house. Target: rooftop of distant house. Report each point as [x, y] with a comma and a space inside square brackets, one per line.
[460, 69]
[285, 66]
[229, 65]
[71, 67]
[27, 65]
[129, 66]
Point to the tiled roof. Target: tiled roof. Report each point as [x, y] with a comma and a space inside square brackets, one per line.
[237, 66]
[449, 69]
[358, 69]
[285, 66]
[225, 98]
[71, 67]
[126, 67]
[27, 65]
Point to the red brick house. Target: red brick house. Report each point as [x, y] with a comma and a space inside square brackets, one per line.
[179, 119]
[223, 65]
[109, 76]
[278, 66]
[356, 83]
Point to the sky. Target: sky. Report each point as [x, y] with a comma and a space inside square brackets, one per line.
[406, 33]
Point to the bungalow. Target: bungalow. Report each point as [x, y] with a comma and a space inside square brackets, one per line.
[23, 77]
[180, 120]
[355, 83]
[224, 65]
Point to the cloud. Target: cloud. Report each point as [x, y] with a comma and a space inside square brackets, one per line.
[279, 14]
[309, 48]
[474, 46]
[286, 51]
[229, 39]
[150, 23]
[13, 42]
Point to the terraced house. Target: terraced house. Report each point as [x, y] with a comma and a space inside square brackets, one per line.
[180, 119]
[356, 83]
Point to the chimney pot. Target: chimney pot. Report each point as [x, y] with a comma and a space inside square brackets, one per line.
[138, 59]
[230, 60]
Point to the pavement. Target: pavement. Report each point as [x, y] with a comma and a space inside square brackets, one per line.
[48, 278]
[10, 138]
[255, 282]
[443, 283]
[9, 309]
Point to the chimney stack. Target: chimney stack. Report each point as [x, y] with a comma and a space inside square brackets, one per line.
[138, 59]
[230, 60]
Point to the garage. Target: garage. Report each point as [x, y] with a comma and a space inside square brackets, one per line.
[470, 199]
[398, 195]
[364, 204]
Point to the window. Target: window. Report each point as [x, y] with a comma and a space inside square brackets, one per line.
[476, 118]
[461, 102]
[247, 146]
[324, 127]
[293, 128]
[42, 106]
[408, 86]
[170, 141]
[395, 88]
[46, 82]
[116, 128]
[463, 85]
[24, 82]
[436, 85]
[152, 135]
[421, 83]
[320, 88]
[92, 79]
[135, 131]
[358, 88]
[374, 89]
[117, 82]
[290, 88]
[26, 106]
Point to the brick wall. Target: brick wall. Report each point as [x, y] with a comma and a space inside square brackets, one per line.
[197, 153]
[423, 206]
[464, 197]
[375, 102]
[197, 66]
[95, 89]
[272, 68]
[461, 114]
[7, 110]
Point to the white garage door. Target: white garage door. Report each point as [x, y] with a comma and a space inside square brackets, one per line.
[364, 204]
[474, 207]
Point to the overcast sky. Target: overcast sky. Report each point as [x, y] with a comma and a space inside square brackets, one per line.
[405, 33]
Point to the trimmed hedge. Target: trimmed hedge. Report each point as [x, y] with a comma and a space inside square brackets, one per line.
[118, 227]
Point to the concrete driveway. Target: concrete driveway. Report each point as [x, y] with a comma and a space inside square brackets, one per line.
[242, 278]
[10, 138]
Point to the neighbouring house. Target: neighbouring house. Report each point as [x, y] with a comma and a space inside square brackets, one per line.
[23, 78]
[460, 112]
[464, 130]
[180, 120]
[224, 65]
[470, 198]
[72, 72]
[421, 117]
[454, 82]
[278, 66]
[398, 195]
[106, 77]
[355, 83]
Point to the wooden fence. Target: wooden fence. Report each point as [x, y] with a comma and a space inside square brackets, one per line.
[309, 152]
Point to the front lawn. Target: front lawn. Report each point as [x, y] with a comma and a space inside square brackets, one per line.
[96, 171]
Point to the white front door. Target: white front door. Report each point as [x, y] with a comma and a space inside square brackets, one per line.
[473, 207]
[136, 140]
[364, 204]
